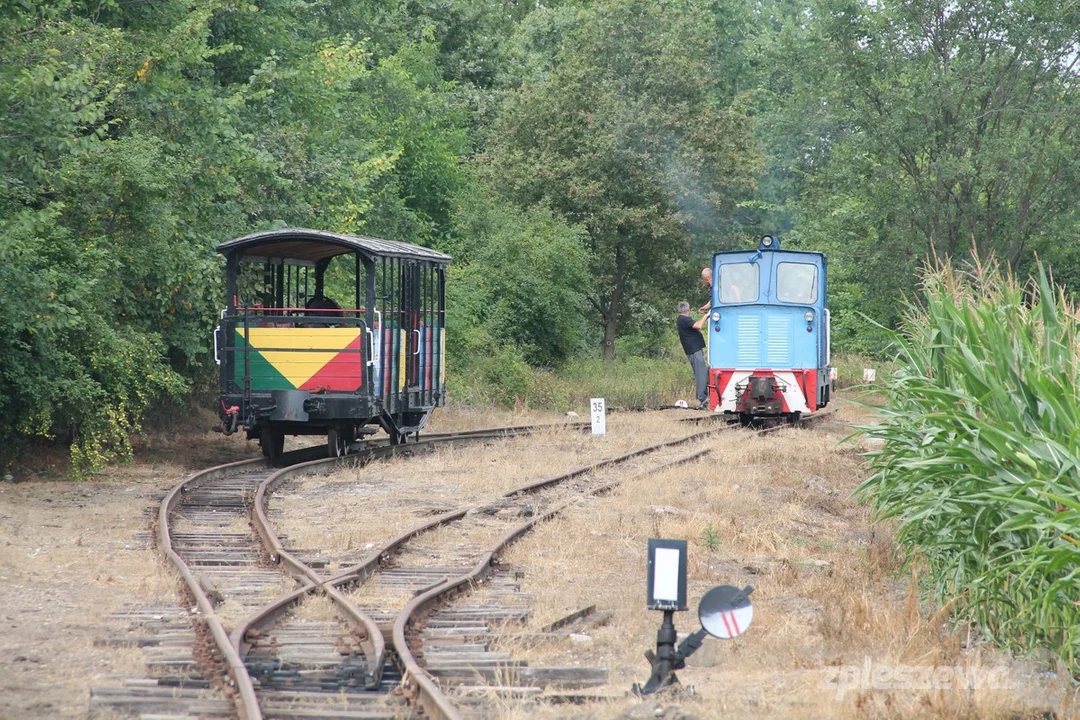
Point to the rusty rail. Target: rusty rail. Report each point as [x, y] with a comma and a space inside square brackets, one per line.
[247, 705]
[802, 422]
[540, 484]
[417, 683]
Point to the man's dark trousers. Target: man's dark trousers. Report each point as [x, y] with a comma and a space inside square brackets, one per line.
[701, 374]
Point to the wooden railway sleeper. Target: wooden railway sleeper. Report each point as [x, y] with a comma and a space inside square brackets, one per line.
[427, 694]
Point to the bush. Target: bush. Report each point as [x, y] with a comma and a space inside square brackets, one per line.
[628, 381]
[504, 378]
[499, 378]
[66, 366]
[981, 454]
[520, 275]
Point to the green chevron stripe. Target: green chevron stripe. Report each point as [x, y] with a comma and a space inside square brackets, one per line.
[264, 376]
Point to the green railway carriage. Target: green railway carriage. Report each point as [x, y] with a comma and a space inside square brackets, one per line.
[329, 334]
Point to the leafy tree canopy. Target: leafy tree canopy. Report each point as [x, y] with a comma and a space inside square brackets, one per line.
[626, 136]
[910, 130]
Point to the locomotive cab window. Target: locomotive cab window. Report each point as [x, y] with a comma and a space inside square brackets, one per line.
[739, 282]
[797, 283]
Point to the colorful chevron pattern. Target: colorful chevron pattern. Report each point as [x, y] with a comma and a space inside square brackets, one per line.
[292, 358]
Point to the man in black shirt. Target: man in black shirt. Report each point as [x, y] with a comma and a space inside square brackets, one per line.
[693, 345]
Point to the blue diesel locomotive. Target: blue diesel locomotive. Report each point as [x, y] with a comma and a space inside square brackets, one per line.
[769, 332]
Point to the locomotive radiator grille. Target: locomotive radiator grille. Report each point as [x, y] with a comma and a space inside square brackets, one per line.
[749, 334]
[778, 347]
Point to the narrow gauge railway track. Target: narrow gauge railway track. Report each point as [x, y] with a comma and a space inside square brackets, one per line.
[203, 529]
[421, 561]
[219, 561]
[428, 567]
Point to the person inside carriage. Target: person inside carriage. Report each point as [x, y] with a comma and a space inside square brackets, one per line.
[321, 306]
[321, 302]
[738, 283]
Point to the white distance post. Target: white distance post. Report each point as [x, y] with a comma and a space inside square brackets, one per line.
[599, 416]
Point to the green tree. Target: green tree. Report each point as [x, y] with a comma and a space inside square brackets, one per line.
[67, 367]
[626, 137]
[909, 130]
[519, 278]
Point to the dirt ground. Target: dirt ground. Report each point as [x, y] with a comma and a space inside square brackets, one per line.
[837, 631]
[73, 555]
[775, 513]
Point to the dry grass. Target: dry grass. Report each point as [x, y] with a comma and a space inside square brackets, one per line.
[231, 612]
[317, 608]
[377, 596]
[775, 513]
[69, 560]
[332, 513]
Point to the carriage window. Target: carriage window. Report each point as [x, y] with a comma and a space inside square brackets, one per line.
[796, 283]
[738, 283]
[272, 284]
[341, 284]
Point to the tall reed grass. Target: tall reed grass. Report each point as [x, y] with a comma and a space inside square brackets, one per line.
[981, 454]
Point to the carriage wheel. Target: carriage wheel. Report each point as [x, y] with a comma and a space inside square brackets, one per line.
[273, 444]
[337, 442]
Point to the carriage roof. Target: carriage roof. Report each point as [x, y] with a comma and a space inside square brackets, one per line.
[314, 245]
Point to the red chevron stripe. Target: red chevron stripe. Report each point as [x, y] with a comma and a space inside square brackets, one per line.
[344, 372]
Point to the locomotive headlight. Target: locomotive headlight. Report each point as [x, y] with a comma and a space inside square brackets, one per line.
[767, 241]
[809, 316]
[716, 316]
